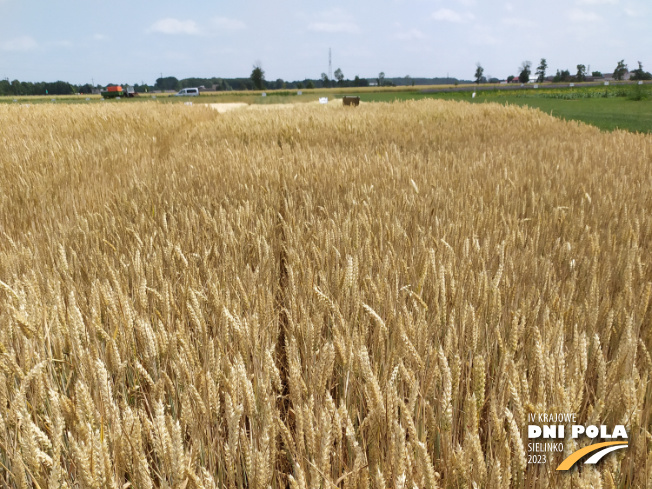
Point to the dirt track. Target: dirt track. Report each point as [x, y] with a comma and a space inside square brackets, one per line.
[221, 108]
[227, 107]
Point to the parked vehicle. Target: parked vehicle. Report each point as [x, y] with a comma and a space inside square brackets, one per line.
[188, 92]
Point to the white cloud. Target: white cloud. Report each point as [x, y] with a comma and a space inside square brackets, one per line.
[597, 2]
[334, 15]
[448, 15]
[410, 35]
[175, 26]
[100, 37]
[583, 16]
[23, 43]
[333, 21]
[333, 27]
[518, 22]
[227, 24]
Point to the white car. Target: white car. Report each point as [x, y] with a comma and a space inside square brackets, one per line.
[188, 92]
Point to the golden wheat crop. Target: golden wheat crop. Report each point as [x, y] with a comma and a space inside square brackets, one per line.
[321, 297]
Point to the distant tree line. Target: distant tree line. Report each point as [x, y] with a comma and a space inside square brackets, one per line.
[257, 81]
[525, 70]
[18, 88]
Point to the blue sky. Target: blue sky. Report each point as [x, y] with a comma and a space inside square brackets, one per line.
[135, 41]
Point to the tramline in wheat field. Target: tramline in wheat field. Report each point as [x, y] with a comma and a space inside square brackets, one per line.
[319, 297]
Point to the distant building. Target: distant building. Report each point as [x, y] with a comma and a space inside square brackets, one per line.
[610, 76]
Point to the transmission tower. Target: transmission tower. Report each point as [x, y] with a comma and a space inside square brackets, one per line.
[330, 65]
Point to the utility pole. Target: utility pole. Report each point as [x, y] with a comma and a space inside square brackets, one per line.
[330, 65]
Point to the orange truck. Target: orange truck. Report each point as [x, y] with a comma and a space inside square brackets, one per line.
[117, 91]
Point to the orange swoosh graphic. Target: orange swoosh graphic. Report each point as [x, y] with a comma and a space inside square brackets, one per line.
[575, 456]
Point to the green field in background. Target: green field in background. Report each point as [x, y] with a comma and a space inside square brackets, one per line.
[588, 105]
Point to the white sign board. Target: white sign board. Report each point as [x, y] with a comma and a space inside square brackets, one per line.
[572, 85]
[640, 83]
[264, 94]
[323, 100]
[536, 86]
[299, 92]
[87, 99]
[606, 84]
[473, 95]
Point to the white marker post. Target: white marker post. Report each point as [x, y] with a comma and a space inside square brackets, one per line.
[323, 100]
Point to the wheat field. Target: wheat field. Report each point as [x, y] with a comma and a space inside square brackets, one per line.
[321, 297]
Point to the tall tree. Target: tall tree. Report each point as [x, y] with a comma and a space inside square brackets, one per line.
[526, 70]
[167, 83]
[621, 70]
[258, 76]
[581, 73]
[339, 76]
[639, 74]
[541, 70]
[325, 82]
[479, 70]
[381, 78]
